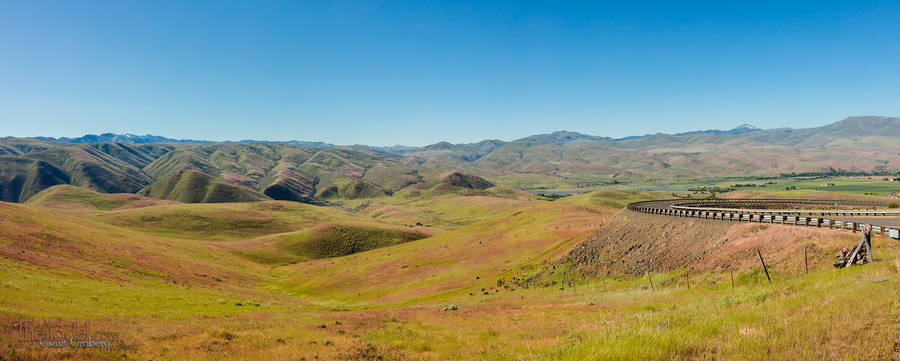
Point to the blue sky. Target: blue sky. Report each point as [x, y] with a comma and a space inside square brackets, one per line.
[415, 73]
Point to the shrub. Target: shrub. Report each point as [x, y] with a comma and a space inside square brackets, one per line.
[893, 205]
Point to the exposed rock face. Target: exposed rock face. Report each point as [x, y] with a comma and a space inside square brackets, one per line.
[457, 179]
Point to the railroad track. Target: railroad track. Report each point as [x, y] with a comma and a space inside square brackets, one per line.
[840, 214]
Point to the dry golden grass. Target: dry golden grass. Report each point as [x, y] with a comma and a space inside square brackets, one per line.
[177, 298]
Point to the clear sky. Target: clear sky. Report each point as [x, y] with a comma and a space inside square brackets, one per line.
[396, 72]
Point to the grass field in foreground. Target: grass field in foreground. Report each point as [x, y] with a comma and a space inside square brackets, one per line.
[829, 314]
[177, 298]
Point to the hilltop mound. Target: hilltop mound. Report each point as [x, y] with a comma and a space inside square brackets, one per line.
[462, 180]
[69, 197]
[561, 137]
[293, 185]
[191, 186]
[351, 189]
[345, 239]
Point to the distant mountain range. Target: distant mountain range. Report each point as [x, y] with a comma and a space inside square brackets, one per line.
[147, 138]
[316, 172]
[559, 137]
[120, 138]
[869, 143]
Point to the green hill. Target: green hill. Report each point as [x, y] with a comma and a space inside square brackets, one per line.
[204, 172]
[68, 197]
[260, 170]
[190, 186]
[468, 181]
[344, 239]
[22, 178]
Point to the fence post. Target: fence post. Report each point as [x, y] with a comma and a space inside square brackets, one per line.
[805, 262]
[764, 265]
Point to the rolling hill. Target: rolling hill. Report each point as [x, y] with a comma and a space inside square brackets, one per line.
[279, 280]
[204, 172]
[66, 197]
[189, 171]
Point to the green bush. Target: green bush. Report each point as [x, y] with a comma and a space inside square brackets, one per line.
[893, 205]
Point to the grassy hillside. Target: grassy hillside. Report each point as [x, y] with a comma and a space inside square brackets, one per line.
[561, 160]
[178, 282]
[442, 208]
[71, 198]
[21, 178]
[229, 221]
[190, 186]
[42, 239]
[322, 241]
[453, 262]
[344, 239]
[234, 172]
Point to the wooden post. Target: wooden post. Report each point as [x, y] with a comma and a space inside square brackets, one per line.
[731, 271]
[805, 262]
[764, 265]
[856, 250]
[867, 233]
[651, 282]
[687, 278]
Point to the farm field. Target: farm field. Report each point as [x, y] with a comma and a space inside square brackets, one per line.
[862, 186]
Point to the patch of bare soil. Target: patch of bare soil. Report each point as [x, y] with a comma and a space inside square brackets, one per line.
[634, 243]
